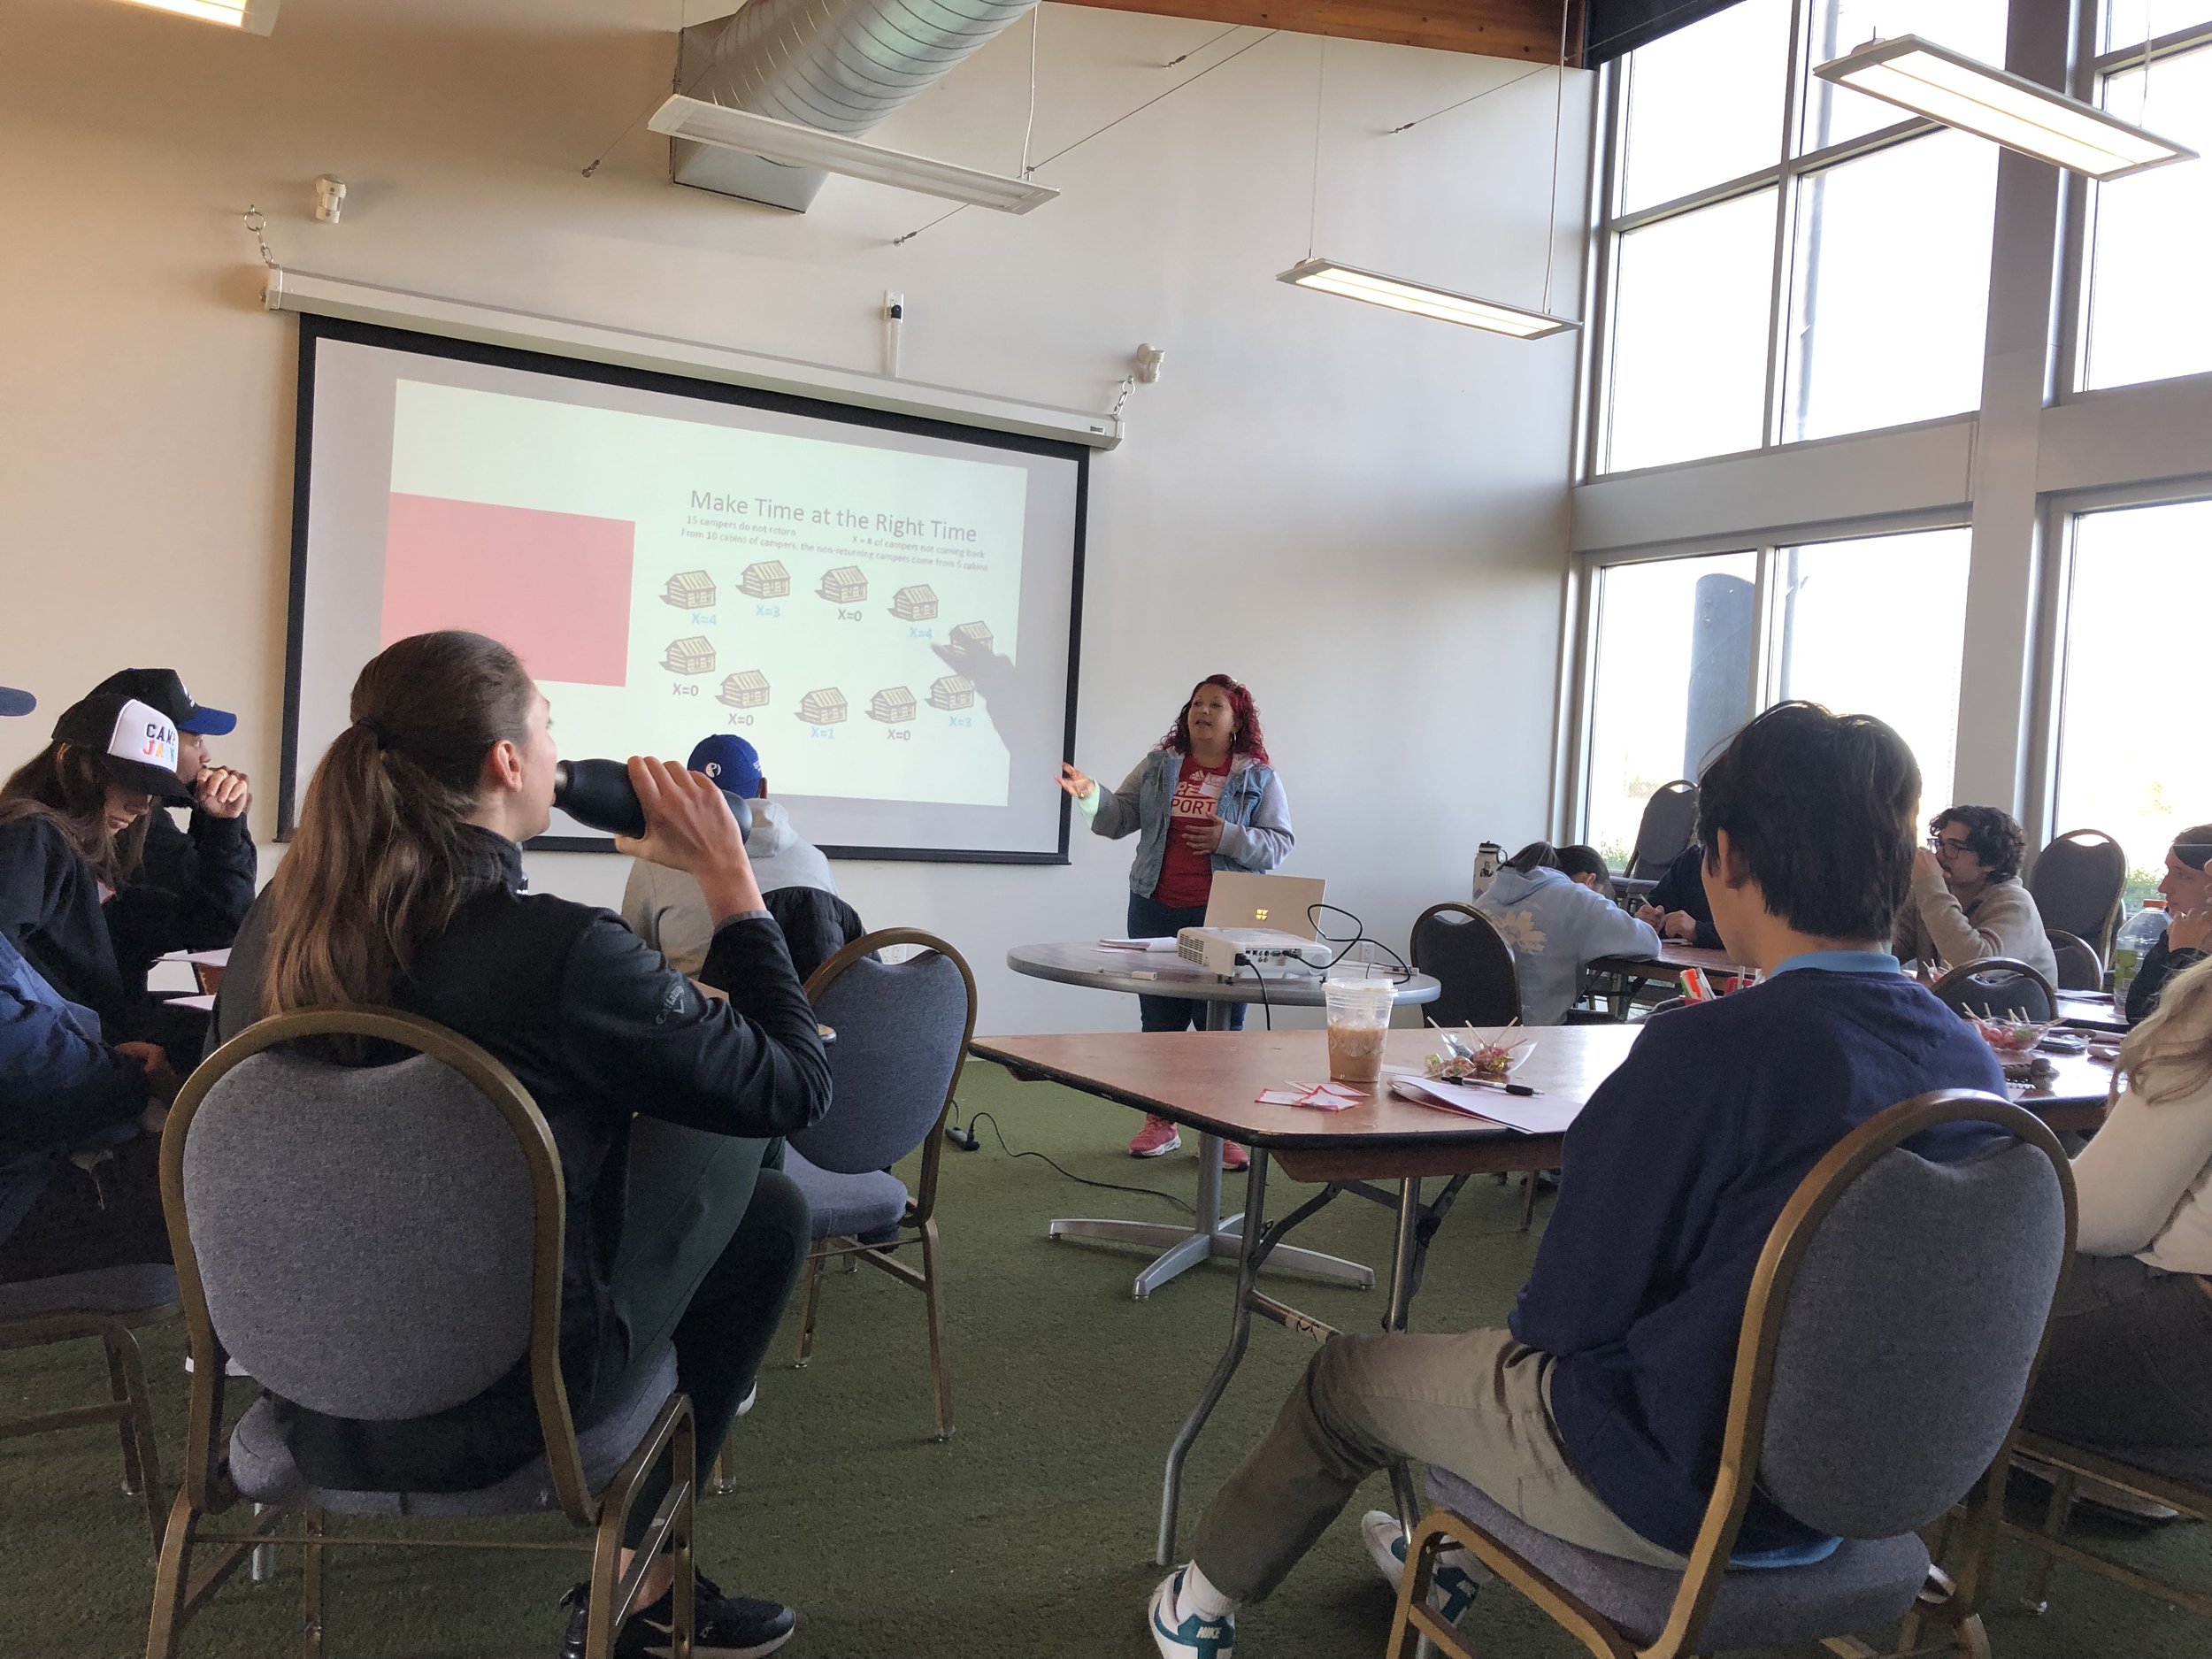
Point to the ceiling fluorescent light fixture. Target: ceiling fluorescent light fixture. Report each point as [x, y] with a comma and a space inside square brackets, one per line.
[798, 146]
[1945, 86]
[256, 17]
[1329, 277]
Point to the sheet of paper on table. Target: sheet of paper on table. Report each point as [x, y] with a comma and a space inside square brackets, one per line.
[204, 958]
[206, 1004]
[1531, 1114]
[1137, 944]
[1327, 1097]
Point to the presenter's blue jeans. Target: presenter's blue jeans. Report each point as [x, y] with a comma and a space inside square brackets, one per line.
[1151, 920]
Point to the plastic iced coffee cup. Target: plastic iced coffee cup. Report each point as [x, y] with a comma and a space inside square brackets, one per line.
[1359, 1020]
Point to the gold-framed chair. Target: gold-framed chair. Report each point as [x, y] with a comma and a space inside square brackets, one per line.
[112, 1304]
[323, 1215]
[1867, 1439]
[2066, 1468]
[903, 1033]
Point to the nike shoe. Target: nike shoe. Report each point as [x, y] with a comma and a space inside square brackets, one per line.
[1192, 1638]
[1459, 1576]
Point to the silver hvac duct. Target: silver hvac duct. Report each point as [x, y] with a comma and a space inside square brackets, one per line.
[840, 66]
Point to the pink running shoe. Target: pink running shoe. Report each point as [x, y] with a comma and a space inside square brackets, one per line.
[1235, 1157]
[1157, 1139]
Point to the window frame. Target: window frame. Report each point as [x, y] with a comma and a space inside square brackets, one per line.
[1765, 547]
[2077, 229]
[1784, 175]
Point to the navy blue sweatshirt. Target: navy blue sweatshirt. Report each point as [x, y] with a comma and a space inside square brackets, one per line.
[1674, 1173]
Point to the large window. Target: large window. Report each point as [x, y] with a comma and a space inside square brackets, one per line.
[1788, 259]
[2130, 737]
[1684, 651]
[2149, 237]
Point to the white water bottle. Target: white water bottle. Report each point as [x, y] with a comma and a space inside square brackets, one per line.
[1487, 858]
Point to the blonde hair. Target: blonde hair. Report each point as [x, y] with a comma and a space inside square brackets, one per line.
[2170, 1053]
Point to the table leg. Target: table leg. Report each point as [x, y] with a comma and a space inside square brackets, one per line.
[1254, 1242]
[1405, 1257]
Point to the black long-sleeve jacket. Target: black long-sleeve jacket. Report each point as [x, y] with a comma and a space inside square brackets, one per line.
[2160, 964]
[50, 910]
[597, 1027]
[191, 892]
[1683, 888]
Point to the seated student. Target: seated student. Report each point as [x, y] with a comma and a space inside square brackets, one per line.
[1968, 901]
[1585, 866]
[2130, 1359]
[1555, 925]
[2188, 891]
[65, 1090]
[403, 887]
[664, 907]
[72, 820]
[1676, 906]
[193, 886]
[1597, 1415]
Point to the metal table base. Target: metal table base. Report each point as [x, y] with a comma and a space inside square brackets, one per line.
[1208, 1235]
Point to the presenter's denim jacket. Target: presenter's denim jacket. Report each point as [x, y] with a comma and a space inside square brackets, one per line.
[1255, 814]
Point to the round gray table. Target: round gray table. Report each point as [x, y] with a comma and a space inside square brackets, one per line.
[1163, 973]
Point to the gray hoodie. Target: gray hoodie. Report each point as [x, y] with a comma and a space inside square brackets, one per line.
[1555, 925]
[666, 908]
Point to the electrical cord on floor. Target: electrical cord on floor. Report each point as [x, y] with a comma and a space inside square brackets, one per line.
[965, 1140]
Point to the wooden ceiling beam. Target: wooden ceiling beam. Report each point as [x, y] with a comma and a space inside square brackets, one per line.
[1524, 30]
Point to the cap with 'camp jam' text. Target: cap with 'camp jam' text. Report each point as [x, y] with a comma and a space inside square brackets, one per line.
[136, 743]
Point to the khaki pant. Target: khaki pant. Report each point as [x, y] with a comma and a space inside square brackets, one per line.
[1475, 1402]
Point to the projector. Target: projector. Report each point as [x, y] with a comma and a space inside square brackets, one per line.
[1219, 950]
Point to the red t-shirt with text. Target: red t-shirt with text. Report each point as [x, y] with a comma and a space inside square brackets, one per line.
[1186, 878]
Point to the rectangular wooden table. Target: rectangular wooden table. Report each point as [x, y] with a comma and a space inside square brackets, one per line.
[1207, 1080]
[1630, 974]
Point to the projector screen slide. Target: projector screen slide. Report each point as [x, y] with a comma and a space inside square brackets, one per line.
[887, 607]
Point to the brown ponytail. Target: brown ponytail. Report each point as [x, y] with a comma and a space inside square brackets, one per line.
[376, 866]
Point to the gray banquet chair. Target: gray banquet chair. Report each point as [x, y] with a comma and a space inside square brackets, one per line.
[1668, 825]
[383, 1241]
[2077, 883]
[1891, 1331]
[903, 1031]
[1463, 950]
[1998, 986]
[110, 1304]
[2080, 967]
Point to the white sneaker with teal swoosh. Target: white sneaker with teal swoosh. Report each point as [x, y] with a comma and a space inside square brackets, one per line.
[1459, 1576]
[1193, 1638]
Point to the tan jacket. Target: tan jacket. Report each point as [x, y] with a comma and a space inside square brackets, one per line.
[2002, 921]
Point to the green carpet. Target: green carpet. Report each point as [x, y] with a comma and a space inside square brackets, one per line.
[1028, 1536]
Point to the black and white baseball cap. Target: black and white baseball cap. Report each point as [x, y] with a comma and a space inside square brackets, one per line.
[164, 688]
[136, 741]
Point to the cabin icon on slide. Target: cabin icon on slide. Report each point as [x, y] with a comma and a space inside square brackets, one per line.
[844, 585]
[824, 707]
[689, 590]
[691, 656]
[918, 604]
[748, 688]
[767, 579]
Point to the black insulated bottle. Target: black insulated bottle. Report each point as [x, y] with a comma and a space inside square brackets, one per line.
[598, 794]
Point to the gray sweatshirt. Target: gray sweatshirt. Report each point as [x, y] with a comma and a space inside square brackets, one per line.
[666, 908]
[2002, 920]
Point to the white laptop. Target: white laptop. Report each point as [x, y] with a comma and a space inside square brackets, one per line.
[1282, 903]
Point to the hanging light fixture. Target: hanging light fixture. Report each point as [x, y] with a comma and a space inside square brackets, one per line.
[798, 146]
[1326, 276]
[1423, 299]
[256, 17]
[2010, 110]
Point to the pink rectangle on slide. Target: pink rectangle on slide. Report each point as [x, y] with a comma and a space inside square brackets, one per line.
[553, 587]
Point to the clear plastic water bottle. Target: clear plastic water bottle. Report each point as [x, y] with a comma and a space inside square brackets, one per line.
[2133, 942]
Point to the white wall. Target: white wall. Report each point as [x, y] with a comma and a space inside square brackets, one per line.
[1363, 514]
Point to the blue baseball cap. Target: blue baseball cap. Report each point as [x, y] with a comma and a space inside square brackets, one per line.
[164, 688]
[732, 763]
[14, 701]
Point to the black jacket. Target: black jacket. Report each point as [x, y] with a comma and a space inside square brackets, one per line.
[191, 892]
[596, 1027]
[2158, 965]
[1683, 888]
[50, 910]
